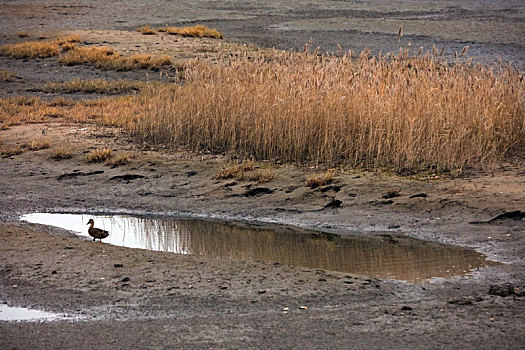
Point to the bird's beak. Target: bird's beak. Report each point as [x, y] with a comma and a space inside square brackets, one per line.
[87, 223]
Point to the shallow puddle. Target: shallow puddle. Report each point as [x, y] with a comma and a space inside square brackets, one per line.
[383, 256]
[8, 313]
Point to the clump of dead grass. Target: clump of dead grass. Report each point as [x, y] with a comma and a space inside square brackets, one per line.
[147, 30]
[232, 170]
[121, 159]
[105, 58]
[7, 76]
[198, 31]
[38, 49]
[23, 34]
[9, 151]
[99, 155]
[100, 86]
[61, 153]
[393, 112]
[318, 180]
[245, 171]
[36, 145]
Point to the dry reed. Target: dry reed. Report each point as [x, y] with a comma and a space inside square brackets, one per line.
[100, 86]
[38, 49]
[199, 31]
[395, 111]
[105, 58]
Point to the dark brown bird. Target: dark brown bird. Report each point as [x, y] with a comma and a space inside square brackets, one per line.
[96, 232]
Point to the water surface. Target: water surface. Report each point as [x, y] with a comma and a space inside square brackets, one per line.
[9, 313]
[384, 256]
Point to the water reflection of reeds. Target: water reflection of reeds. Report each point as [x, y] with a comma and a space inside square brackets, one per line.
[385, 257]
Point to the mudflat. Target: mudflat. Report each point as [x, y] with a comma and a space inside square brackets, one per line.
[129, 298]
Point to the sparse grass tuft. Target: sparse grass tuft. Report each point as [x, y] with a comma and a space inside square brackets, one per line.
[259, 176]
[198, 31]
[99, 155]
[7, 76]
[147, 30]
[100, 86]
[318, 180]
[61, 153]
[245, 171]
[8, 151]
[121, 159]
[23, 34]
[38, 145]
[38, 49]
[231, 171]
[105, 58]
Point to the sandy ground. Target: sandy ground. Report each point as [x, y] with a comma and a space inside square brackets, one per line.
[164, 300]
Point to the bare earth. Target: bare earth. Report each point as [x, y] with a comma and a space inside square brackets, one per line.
[165, 300]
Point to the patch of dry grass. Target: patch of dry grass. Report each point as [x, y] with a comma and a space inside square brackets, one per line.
[99, 155]
[121, 159]
[199, 31]
[231, 171]
[8, 151]
[23, 34]
[391, 112]
[61, 153]
[318, 180]
[38, 49]
[245, 171]
[147, 30]
[259, 176]
[100, 86]
[105, 58]
[38, 145]
[111, 111]
[7, 76]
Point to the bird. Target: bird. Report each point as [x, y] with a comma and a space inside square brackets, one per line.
[96, 232]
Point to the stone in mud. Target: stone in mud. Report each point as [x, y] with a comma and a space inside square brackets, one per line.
[335, 203]
[127, 177]
[502, 290]
[257, 191]
[73, 175]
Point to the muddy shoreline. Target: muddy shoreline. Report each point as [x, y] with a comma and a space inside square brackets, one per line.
[130, 298]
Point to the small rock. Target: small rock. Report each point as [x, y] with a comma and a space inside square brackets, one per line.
[502, 290]
[54, 272]
[262, 291]
[406, 308]
[419, 195]
[118, 265]
[125, 279]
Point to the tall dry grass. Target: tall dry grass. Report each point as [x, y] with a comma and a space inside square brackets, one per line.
[395, 111]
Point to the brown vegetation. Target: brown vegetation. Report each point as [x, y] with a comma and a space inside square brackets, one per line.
[105, 58]
[389, 112]
[38, 49]
[99, 155]
[100, 86]
[121, 159]
[147, 30]
[198, 31]
[318, 180]
[6, 75]
[61, 153]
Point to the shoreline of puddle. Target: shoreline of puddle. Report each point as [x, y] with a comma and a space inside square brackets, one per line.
[185, 242]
